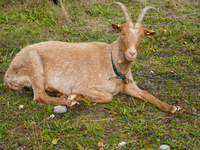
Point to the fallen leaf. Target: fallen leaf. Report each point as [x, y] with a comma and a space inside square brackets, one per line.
[151, 72]
[79, 145]
[100, 144]
[41, 128]
[33, 122]
[54, 141]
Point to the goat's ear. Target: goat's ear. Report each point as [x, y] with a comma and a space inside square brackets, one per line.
[149, 32]
[116, 27]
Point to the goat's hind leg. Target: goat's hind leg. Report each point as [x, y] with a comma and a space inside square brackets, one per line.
[57, 94]
[38, 81]
[93, 95]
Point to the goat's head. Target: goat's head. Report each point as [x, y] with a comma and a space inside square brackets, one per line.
[131, 34]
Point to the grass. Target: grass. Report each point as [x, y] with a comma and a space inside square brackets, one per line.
[168, 66]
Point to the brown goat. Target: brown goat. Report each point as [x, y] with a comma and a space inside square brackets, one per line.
[95, 71]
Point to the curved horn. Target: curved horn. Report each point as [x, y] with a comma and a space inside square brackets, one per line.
[143, 12]
[125, 11]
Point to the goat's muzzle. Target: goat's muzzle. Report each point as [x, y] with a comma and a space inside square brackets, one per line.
[132, 53]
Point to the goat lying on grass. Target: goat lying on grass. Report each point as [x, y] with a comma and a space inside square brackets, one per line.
[94, 71]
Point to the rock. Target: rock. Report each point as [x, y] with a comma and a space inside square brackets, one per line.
[60, 109]
[164, 147]
[21, 106]
[121, 144]
[52, 116]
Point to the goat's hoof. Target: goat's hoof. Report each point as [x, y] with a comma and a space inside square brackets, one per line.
[175, 109]
[74, 103]
[72, 96]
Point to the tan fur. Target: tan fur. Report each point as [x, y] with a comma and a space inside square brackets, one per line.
[82, 69]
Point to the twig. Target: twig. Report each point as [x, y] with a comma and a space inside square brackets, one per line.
[65, 14]
[133, 101]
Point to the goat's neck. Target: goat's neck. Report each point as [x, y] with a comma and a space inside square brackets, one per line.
[117, 54]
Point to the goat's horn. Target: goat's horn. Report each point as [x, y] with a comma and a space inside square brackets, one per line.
[143, 12]
[125, 11]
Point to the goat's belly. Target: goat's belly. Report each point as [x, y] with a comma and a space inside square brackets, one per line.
[56, 84]
[110, 87]
[75, 77]
[81, 86]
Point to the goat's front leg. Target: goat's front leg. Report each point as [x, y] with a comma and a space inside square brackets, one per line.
[133, 90]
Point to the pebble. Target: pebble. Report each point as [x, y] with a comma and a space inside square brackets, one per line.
[52, 116]
[21, 106]
[164, 147]
[60, 109]
[121, 144]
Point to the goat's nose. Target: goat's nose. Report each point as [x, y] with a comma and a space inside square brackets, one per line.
[132, 53]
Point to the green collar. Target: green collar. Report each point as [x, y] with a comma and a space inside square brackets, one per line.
[125, 79]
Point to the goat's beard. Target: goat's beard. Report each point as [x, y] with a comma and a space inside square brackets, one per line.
[123, 58]
[130, 60]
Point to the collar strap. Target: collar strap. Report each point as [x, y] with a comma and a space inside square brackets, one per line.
[116, 71]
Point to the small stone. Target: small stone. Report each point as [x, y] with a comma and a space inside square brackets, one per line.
[52, 116]
[164, 147]
[60, 109]
[21, 106]
[121, 144]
